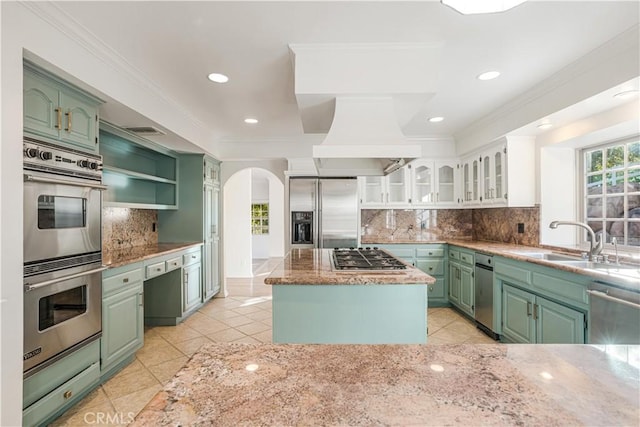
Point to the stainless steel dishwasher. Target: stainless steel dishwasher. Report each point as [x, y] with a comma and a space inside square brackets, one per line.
[484, 294]
[614, 314]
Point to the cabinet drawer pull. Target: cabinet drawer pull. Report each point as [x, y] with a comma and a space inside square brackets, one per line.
[430, 253]
[193, 257]
[535, 311]
[125, 280]
[158, 269]
[430, 268]
[59, 118]
[67, 394]
[68, 114]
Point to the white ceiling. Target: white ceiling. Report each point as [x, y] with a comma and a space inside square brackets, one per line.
[176, 44]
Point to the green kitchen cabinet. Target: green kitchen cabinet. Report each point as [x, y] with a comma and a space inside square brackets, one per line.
[198, 218]
[192, 286]
[122, 317]
[430, 258]
[57, 111]
[461, 279]
[138, 173]
[528, 318]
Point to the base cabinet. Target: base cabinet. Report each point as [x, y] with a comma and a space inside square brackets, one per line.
[462, 280]
[528, 318]
[192, 287]
[122, 316]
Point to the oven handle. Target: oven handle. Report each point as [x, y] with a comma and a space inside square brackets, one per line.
[600, 294]
[32, 178]
[29, 287]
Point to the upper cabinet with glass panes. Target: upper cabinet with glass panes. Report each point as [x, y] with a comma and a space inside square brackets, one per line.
[434, 183]
[382, 191]
[611, 191]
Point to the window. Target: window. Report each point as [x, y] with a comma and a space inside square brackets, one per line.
[612, 190]
[260, 218]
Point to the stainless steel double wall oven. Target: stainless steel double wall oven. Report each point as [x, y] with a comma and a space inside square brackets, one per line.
[62, 252]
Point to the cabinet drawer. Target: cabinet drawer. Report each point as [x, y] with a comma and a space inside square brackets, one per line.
[454, 254]
[58, 398]
[156, 269]
[519, 274]
[174, 263]
[119, 281]
[433, 267]
[190, 258]
[435, 253]
[466, 258]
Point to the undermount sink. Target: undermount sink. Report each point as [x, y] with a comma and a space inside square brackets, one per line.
[597, 265]
[548, 256]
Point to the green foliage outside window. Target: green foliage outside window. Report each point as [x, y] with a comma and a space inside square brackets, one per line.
[260, 218]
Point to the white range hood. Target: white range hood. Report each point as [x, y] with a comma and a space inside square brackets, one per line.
[364, 139]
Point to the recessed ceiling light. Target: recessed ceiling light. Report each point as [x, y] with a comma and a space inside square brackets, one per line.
[436, 119]
[626, 94]
[469, 7]
[489, 75]
[544, 125]
[218, 78]
[251, 121]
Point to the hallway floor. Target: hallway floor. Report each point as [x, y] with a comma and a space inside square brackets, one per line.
[244, 316]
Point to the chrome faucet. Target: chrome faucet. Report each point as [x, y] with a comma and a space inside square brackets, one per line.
[593, 250]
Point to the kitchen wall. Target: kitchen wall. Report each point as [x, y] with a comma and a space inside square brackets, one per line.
[123, 228]
[495, 224]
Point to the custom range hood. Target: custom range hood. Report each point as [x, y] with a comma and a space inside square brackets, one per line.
[364, 139]
[361, 95]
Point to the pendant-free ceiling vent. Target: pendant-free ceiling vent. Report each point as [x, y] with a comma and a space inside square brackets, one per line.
[145, 130]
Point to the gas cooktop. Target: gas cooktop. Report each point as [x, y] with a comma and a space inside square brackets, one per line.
[365, 259]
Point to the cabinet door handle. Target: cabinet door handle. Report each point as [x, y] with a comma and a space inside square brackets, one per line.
[438, 196]
[59, 118]
[125, 280]
[69, 115]
[528, 309]
[430, 268]
[141, 300]
[535, 311]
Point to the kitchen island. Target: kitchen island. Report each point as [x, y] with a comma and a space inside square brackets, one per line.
[492, 384]
[314, 303]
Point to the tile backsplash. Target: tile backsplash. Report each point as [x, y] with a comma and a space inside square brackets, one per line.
[124, 228]
[494, 224]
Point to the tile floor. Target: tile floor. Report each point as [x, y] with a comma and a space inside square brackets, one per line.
[243, 316]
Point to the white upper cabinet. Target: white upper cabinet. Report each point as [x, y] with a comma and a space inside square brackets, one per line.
[434, 183]
[383, 191]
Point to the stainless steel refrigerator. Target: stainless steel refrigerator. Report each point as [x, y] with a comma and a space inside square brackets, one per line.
[323, 212]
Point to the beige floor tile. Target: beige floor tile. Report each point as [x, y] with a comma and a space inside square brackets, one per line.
[228, 335]
[463, 327]
[248, 340]
[268, 321]
[259, 315]
[167, 370]
[204, 324]
[134, 367]
[178, 333]
[480, 339]
[221, 313]
[130, 404]
[102, 415]
[253, 328]
[246, 309]
[122, 385]
[157, 354]
[265, 337]
[444, 337]
[188, 348]
[153, 338]
[239, 320]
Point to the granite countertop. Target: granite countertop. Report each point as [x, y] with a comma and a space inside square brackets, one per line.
[313, 267]
[120, 257]
[493, 384]
[629, 277]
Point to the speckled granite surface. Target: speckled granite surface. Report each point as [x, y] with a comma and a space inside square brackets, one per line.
[492, 384]
[124, 228]
[313, 267]
[120, 257]
[415, 224]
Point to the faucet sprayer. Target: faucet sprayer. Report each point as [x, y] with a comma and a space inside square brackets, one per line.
[593, 250]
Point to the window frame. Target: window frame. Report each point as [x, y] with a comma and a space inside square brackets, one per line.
[263, 219]
[625, 194]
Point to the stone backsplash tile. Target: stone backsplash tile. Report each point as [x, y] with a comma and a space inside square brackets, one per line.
[495, 225]
[501, 225]
[124, 228]
[415, 224]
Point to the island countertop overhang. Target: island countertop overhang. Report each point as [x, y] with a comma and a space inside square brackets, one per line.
[313, 267]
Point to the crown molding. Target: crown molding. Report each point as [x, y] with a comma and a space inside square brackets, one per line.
[75, 32]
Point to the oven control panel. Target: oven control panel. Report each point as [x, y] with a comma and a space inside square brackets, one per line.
[39, 155]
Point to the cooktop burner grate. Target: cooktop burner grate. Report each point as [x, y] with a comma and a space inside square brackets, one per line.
[365, 259]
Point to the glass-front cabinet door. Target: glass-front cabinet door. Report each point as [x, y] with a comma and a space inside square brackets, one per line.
[422, 180]
[445, 183]
[372, 190]
[475, 183]
[500, 174]
[397, 187]
[466, 179]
